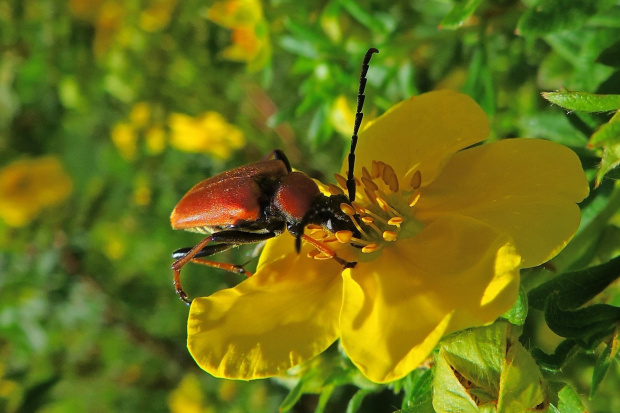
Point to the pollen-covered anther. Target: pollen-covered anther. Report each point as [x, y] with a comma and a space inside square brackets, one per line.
[389, 235]
[344, 236]
[369, 184]
[395, 221]
[370, 248]
[365, 174]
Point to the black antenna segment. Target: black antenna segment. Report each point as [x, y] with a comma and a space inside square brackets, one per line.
[358, 122]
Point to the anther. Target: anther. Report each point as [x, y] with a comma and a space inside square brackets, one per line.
[347, 209]
[416, 180]
[395, 221]
[368, 183]
[374, 172]
[365, 174]
[335, 190]
[389, 177]
[344, 236]
[370, 222]
[389, 235]
[370, 248]
[313, 226]
[342, 181]
[413, 199]
[386, 207]
[370, 195]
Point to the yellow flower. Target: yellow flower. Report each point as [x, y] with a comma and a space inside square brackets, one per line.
[447, 226]
[28, 186]
[207, 133]
[125, 138]
[250, 36]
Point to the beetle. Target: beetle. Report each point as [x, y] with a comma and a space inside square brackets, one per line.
[259, 201]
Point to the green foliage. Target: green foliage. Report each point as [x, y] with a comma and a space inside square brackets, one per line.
[89, 320]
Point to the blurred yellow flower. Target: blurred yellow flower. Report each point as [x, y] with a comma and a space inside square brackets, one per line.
[250, 36]
[28, 186]
[157, 16]
[342, 116]
[207, 133]
[188, 397]
[140, 114]
[445, 226]
[155, 138]
[125, 138]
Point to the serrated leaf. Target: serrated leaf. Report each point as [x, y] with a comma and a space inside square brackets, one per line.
[582, 101]
[549, 16]
[607, 134]
[418, 392]
[459, 14]
[573, 289]
[569, 400]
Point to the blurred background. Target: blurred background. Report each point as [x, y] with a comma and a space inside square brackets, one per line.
[111, 110]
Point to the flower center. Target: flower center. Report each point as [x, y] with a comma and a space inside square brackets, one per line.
[382, 213]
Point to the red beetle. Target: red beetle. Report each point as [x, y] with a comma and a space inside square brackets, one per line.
[259, 201]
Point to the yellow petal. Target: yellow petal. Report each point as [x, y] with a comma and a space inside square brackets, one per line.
[423, 131]
[526, 188]
[455, 274]
[282, 316]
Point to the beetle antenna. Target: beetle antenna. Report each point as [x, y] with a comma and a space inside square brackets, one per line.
[358, 122]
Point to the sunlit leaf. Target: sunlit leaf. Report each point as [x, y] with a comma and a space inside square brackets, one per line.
[548, 16]
[460, 12]
[582, 101]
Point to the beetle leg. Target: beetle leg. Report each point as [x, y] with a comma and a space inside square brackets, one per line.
[227, 239]
[329, 252]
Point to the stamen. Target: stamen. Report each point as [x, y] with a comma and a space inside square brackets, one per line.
[368, 183]
[344, 236]
[369, 222]
[342, 181]
[370, 195]
[313, 226]
[347, 209]
[386, 207]
[376, 217]
[389, 177]
[350, 211]
[335, 190]
[395, 221]
[416, 180]
[390, 235]
[370, 248]
[375, 173]
[365, 174]
[413, 199]
[358, 241]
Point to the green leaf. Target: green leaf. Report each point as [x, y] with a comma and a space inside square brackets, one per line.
[418, 392]
[486, 369]
[365, 18]
[610, 56]
[603, 362]
[460, 12]
[356, 401]
[554, 362]
[607, 134]
[586, 324]
[549, 16]
[569, 400]
[582, 101]
[518, 313]
[573, 289]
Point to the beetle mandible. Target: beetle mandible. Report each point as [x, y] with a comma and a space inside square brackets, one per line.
[260, 201]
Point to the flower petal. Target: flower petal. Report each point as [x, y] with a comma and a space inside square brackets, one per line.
[526, 188]
[422, 132]
[456, 273]
[282, 316]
